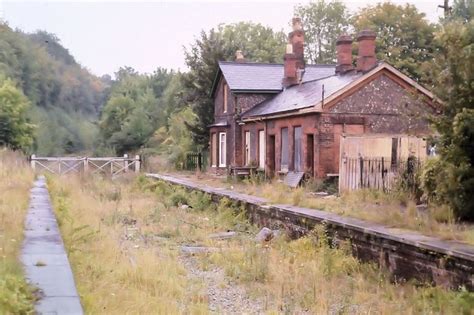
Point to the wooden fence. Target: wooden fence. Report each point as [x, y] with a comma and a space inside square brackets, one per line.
[376, 173]
[104, 165]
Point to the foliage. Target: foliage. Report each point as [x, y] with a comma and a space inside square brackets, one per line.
[175, 140]
[258, 43]
[463, 10]
[404, 36]
[59, 90]
[323, 23]
[16, 296]
[134, 110]
[15, 129]
[454, 71]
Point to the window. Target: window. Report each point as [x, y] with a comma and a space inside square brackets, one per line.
[261, 149]
[225, 97]
[298, 150]
[247, 147]
[214, 149]
[222, 149]
[284, 150]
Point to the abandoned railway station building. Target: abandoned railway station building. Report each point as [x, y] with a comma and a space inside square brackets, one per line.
[291, 117]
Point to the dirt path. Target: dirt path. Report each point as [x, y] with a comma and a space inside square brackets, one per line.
[225, 297]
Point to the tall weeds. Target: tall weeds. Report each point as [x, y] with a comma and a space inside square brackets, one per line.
[16, 178]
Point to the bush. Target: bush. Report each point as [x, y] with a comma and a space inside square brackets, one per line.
[178, 198]
[429, 179]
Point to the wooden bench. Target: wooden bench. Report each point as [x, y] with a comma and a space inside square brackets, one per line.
[242, 171]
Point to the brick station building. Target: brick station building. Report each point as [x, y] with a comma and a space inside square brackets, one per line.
[291, 116]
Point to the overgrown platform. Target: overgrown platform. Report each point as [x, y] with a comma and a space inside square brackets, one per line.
[404, 253]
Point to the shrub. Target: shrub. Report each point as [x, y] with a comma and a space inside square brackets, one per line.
[15, 295]
[429, 178]
[178, 198]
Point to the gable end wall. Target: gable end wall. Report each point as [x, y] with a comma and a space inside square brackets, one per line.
[387, 108]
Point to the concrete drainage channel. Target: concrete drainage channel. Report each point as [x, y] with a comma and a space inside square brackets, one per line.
[44, 259]
[407, 255]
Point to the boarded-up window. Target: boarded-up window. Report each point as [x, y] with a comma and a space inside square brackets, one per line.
[261, 149]
[394, 151]
[214, 149]
[247, 148]
[284, 149]
[298, 152]
[225, 97]
[222, 149]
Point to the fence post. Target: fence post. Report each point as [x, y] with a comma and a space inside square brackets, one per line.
[86, 164]
[383, 175]
[361, 159]
[33, 161]
[125, 161]
[137, 163]
[200, 161]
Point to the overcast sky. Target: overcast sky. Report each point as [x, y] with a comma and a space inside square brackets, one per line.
[104, 35]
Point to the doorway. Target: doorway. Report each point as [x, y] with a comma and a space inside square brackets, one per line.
[310, 154]
[271, 155]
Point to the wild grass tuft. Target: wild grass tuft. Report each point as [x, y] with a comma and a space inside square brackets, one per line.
[16, 178]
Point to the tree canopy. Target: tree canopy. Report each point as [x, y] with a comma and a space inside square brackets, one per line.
[323, 22]
[258, 43]
[57, 88]
[454, 72]
[15, 129]
[405, 38]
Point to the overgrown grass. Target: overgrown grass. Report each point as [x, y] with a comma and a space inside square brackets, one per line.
[16, 297]
[308, 276]
[397, 210]
[123, 239]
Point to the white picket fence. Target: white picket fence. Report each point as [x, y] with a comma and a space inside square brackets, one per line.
[67, 165]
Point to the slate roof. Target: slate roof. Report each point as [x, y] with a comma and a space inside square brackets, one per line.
[307, 94]
[265, 77]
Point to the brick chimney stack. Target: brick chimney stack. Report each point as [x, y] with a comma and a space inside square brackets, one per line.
[294, 56]
[344, 54]
[366, 59]
[239, 56]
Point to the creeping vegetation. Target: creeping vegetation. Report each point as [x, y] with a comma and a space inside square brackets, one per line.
[16, 297]
[133, 253]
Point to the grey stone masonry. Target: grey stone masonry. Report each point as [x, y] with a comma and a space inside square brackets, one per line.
[44, 259]
[406, 254]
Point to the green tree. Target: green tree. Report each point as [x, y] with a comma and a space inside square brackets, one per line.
[404, 36]
[137, 106]
[454, 70]
[463, 9]
[323, 22]
[259, 44]
[15, 130]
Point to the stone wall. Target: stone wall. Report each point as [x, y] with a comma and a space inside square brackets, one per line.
[407, 255]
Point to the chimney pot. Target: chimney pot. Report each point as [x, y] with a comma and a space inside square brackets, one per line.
[239, 56]
[297, 25]
[344, 54]
[294, 56]
[366, 59]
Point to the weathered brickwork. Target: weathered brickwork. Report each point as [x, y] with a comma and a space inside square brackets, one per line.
[247, 101]
[387, 108]
[382, 105]
[236, 104]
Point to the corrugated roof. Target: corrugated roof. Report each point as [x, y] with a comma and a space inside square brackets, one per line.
[303, 95]
[265, 76]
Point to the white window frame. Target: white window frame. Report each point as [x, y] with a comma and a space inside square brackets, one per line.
[222, 149]
[247, 147]
[214, 152]
[261, 149]
[225, 98]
